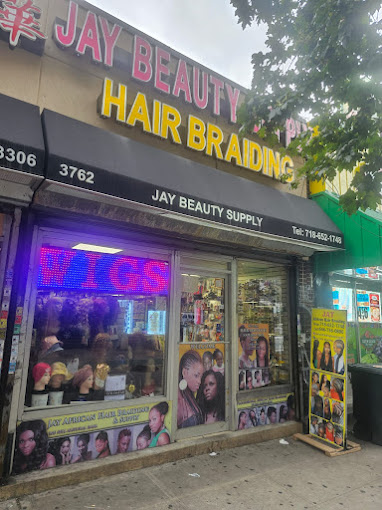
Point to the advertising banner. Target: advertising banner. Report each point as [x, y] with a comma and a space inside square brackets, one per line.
[201, 395]
[368, 306]
[73, 438]
[254, 355]
[371, 343]
[266, 411]
[328, 368]
[343, 300]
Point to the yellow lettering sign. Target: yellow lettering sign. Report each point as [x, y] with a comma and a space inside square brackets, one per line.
[196, 134]
[139, 112]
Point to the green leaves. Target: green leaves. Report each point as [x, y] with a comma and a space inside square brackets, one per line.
[322, 55]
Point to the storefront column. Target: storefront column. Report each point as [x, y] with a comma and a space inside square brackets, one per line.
[292, 284]
[172, 351]
[12, 302]
[234, 352]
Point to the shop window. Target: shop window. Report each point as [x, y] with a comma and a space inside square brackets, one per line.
[263, 326]
[202, 309]
[100, 328]
[359, 292]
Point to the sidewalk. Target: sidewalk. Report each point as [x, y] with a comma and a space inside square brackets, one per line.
[261, 476]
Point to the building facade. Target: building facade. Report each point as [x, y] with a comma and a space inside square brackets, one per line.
[149, 288]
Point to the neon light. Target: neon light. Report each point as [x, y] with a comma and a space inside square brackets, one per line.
[81, 270]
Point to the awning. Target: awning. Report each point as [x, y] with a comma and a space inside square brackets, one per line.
[90, 158]
[362, 235]
[21, 149]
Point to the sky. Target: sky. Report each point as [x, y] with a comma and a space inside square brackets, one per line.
[204, 30]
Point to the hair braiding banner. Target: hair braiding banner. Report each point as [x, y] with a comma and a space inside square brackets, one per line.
[328, 369]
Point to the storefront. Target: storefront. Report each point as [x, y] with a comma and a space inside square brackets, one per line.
[351, 280]
[159, 298]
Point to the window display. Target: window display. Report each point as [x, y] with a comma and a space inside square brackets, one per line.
[263, 334]
[99, 328]
[202, 309]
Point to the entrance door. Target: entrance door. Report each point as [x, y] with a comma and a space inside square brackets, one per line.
[202, 404]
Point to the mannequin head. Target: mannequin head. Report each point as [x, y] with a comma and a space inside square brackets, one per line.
[150, 367]
[41, 376]
[53, 309]
[84, 379]
[101, 346]
[59, 375]
[69, 314]
[48, 342]
[39, 304]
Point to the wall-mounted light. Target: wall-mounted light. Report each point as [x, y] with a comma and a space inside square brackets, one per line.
[94, 247]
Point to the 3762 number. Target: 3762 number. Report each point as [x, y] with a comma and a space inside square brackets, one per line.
[74, 172]
[11, 155]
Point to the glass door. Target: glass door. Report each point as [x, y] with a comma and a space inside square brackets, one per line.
[203, 352]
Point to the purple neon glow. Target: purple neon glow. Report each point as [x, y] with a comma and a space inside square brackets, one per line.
[84, 270]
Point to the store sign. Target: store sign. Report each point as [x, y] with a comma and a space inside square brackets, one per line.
[328, 369]
[167, 72]
[20, 20]
[82, 270]
[151, 63]
[190, 84]
[165, 121]
[181, 203]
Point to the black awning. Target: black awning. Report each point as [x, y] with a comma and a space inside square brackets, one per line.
[21, 138]
[93, 159]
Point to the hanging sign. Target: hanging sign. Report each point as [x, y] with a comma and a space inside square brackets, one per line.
[328, 368]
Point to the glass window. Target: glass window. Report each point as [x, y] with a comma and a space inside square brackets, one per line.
[359, 292]
[263, 334]
[100, 327]
[202, 309]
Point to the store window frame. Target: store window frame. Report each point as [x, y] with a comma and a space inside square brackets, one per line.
[55, 237]
[203, 265]
[245, 396]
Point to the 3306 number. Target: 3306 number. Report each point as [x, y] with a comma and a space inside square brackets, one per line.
[20, 157]
[74, 172]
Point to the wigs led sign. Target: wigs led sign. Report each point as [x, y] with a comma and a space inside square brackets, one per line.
[194, 86]
[83, 270]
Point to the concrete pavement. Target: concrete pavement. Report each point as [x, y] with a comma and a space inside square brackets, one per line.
[260, 476]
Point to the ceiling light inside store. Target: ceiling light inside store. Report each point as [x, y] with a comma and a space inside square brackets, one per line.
[94, 247]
